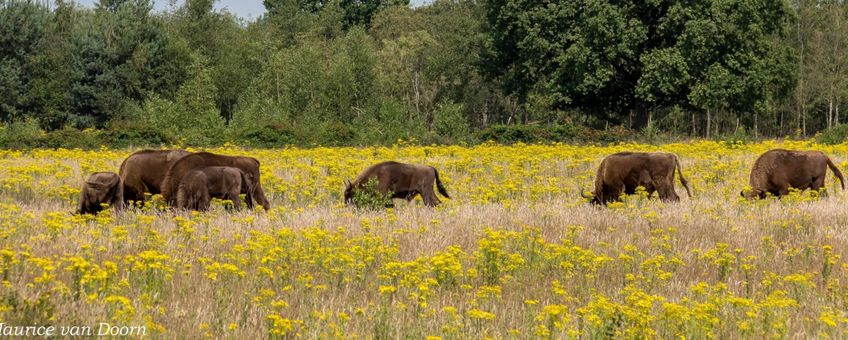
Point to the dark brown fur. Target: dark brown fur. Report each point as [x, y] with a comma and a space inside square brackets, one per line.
[403, 180]
[624, 171]
[99, 188]
[777, 170]
[249, 165]
[199, 185]
[144, 170]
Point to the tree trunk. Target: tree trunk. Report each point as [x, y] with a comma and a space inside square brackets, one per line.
[736, 132]
[694, 133]
[836, 115]
[486, 115]
[640, 117]
[780, 122]
[804, 121]
[708, 123]
[830, 112]
[417, 93]
[756, 132]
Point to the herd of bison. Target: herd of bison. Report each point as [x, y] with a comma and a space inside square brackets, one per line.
[189, 181]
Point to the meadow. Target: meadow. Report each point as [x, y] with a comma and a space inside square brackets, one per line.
[516, 253]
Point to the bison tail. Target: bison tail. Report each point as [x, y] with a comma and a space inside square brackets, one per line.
[439, 184]
[683, 180]
[117, 201]
[836, 172]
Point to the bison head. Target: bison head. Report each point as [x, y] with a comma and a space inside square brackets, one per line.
[592, 198]
[348, 192]
[752, 194]
[101, 188]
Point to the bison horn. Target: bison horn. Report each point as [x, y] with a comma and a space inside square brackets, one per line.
[583, 193]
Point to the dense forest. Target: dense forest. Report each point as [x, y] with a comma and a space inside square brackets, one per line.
[348, 72]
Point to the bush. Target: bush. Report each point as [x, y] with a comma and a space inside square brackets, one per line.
[21, 134]
[266, 136]
[337, 134]
[69, 137]
[369, 198]
[131, 133]
[508, 134]
[835, 135]
[449, 123]
[387, 122]
[612, 135]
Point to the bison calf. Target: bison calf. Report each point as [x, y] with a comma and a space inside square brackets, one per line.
[101, 188]
[402, 180]
[200, 185]
[623, 172]
[248, 165]
[777, 170]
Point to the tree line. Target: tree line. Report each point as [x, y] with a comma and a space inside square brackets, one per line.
[375, 71]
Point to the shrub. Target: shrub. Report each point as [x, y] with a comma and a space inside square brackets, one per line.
[508, 134]
[337, 134]
[449, 123]
[69, 137]
[835, 135]
[135, 133]
[369, 198]
[268, 135]
[21, 134]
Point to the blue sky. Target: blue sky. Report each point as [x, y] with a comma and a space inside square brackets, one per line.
[248, 9]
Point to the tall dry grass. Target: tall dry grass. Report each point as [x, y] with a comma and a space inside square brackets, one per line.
[515, 254]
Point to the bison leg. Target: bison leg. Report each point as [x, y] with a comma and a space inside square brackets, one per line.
[407, 195]
[429, 197]
[817, 184]
[204, 202]
[613, 193]
[667, 193]
[234, 196]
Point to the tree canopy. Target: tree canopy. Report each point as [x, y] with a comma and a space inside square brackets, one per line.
[361, 72]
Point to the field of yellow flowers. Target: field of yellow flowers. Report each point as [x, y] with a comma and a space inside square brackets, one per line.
[516, 253]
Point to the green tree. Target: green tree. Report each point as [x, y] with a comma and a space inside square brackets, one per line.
[192, 115]
[621, 60]
[52, 72]
[228, 46]
[312, 87]
[23, 25]
[123, 55]
[355, 12]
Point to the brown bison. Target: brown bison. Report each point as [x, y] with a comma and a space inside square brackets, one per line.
[100, 188]
[777, 170]
[199, 185]
[144, 170]
[402, 180]
[249, 165]
[624, 171]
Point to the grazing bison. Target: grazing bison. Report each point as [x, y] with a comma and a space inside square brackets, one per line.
[777, 170]
[624, 171]
[99, 188]
[249, 165]
[144, 170]
[199, 185]
[402, 180]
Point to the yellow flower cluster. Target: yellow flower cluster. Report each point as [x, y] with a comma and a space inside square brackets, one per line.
[515, 253]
